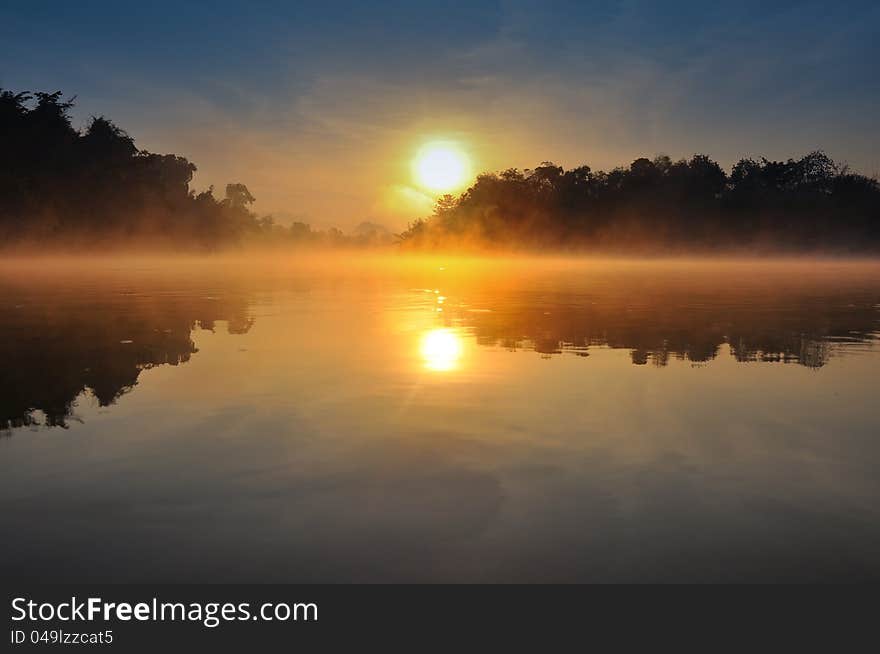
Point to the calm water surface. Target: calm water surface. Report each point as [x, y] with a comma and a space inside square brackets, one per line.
[439, 420]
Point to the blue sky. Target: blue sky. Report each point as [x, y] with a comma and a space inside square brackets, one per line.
[288, 96]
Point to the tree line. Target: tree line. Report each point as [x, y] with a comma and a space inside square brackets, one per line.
[806, 204]
[84, 188]
[65, 187]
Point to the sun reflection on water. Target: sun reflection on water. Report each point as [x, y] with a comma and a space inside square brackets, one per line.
[441, 349]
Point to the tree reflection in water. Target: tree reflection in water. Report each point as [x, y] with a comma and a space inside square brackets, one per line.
[55, 347]
[58, 341]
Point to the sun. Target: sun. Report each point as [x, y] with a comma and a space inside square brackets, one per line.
[441, 166]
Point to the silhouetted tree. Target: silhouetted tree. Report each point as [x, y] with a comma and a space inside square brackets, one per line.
[61, 185]
[808, 203]
[238, 196]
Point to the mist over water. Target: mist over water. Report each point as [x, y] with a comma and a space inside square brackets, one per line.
[426, 418]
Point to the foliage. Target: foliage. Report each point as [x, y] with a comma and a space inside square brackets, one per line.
[63, 187]
[809, 203]
[91, 187]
